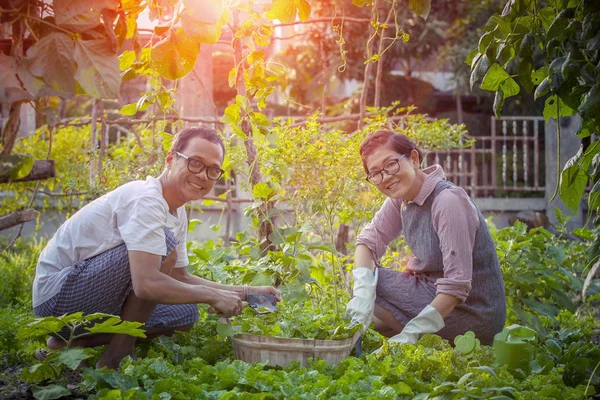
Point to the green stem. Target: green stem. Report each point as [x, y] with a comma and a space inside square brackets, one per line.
[557, 149]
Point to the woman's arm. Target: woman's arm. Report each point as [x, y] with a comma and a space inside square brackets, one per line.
[444, 304]
[385, 226]
[363, 257]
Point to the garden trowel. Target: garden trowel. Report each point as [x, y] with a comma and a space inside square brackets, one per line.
[262, 303]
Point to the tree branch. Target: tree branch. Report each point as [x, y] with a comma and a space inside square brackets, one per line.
[42, 169]
[16, 218]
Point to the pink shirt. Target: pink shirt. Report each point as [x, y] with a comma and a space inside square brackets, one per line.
[455, 220]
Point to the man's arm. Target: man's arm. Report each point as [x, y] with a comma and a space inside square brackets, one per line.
[182, 275]
[149, 283]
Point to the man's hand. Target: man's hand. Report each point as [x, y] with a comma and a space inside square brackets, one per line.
[265, 290]
[226, 303]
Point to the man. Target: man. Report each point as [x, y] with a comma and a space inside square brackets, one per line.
[124, 254]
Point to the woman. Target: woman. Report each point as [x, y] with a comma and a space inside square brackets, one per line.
[454, 283]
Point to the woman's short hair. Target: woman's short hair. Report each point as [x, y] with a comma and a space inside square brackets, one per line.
[398, 142]
[183, 137]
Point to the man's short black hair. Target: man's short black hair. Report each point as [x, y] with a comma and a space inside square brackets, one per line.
[183, 137]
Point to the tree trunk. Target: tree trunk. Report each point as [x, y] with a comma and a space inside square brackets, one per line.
[266, 221]
[11, 129]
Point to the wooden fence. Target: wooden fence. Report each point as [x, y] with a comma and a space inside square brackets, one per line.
[509, 162]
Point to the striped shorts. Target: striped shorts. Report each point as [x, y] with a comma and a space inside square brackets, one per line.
[101, 284]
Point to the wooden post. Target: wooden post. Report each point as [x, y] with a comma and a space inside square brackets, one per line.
[93, 142]
[367, 74]
[379, 73]
[103, 137]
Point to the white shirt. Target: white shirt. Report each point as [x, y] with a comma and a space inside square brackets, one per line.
[135, 214]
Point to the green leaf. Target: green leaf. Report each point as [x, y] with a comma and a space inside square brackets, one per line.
[590, 105]
[224, 329]
[71, 357]
[129, 109]
[261, 191]
[510, 87]
[97, 68]
[174, 56]
[481, 68]
[260, 119]
[325, 246]
[527, 46]
[126, 59]
[40, 327]
[550, 109]
[232, 115]
[542, 89]
[39, 372]
[539, 75]
[471, 57]
[52, 59]
[16, 166]
[594, 199]
[420, 7]
[573, 181]
[558, 26]
[524, 73]
[495, 76]
[506, 52]
[50, 392]
[484, 42]
[116, 325]
[261, 279]
[498, 102]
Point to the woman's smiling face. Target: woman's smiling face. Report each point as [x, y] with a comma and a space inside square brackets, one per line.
[404, 183]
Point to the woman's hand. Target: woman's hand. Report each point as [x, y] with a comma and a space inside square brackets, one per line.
[265, 290]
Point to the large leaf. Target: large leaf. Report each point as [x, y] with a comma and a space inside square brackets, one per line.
[50, 392]
[16, 166]
[481, 68]
[590, 105]
[495, 76]
[97, 68]
[71, 357]
[52, 59]
[10, 87]
[116, 325]
[573, 181]
[420, 7]
[286, 10]
[81, 15]
[552, 111]
[261, 191]
[174, 56]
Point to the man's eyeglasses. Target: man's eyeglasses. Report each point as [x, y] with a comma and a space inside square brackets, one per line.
[390, 168]
[196, 166]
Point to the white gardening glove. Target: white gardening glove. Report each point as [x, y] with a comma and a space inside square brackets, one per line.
[360, 308]
[428, 321]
